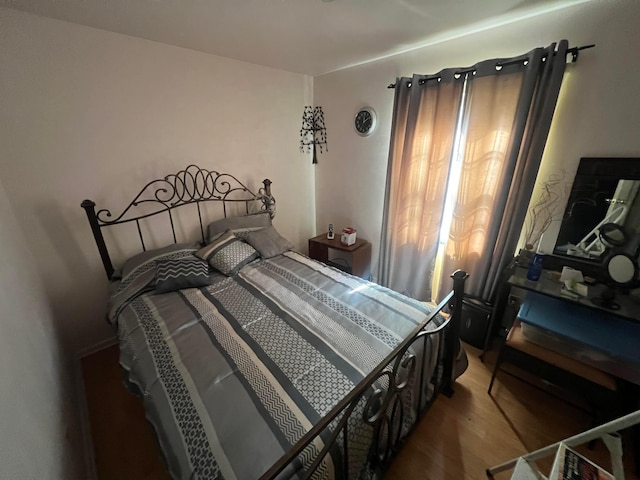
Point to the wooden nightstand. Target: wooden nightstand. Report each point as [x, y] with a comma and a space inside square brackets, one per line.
[359, 253]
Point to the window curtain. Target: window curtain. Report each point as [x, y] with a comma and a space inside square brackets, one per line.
[424, 123]
[503, 112]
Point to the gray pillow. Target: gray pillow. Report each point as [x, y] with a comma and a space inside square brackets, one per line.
[176, 274]
[268, 242]
[238, 225]
[227, 253]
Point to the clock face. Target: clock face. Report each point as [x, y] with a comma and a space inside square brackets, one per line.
[365, 121]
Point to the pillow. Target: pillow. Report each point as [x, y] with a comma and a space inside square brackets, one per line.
[239, 225]
[134, 262]
[268, 242]
[176, 274]
[228, 253]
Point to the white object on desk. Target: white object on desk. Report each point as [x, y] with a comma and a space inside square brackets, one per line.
[571, 275]
[579, 288]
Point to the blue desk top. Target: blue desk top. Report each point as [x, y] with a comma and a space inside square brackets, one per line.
[608, 333]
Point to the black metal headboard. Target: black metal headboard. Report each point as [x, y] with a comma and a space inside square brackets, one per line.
[188, 186]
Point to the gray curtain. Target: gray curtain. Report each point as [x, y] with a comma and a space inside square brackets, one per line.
[423, 132]
[492, 145]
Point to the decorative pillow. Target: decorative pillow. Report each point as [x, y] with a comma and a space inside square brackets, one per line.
[241, 233]
[268, 242]
[188, 272]
[137, 260]
[227, 253]
[238, 225]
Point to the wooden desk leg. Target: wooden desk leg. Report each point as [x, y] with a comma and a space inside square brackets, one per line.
[498, 309]
[496, 366]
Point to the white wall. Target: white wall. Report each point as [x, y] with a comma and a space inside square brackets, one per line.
[598, 112]
[39, 418]
[86, 113]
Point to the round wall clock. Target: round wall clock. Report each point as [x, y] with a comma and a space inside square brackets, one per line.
[365, 121]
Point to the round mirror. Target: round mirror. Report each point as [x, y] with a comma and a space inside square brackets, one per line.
[613, 235]
[621, 271]
[622, 268]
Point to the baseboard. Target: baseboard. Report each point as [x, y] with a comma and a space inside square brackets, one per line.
[101, 345]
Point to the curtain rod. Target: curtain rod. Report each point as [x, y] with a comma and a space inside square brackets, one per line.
[573, 51]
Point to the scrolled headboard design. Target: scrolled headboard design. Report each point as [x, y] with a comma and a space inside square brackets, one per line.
[193, 185]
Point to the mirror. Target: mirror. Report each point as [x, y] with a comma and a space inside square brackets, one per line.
[621, 268]
[612, 235]
[603, 209]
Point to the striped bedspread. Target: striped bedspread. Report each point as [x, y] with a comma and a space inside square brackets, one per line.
[233, 374]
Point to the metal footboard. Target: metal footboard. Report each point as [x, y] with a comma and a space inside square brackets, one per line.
[382, 393]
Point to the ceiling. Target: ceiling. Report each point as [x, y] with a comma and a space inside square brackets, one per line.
[304, 36]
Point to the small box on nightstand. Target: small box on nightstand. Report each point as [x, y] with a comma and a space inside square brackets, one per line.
[348, 236]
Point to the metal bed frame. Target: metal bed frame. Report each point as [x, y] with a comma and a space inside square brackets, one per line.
[381, 392]
[193, 185]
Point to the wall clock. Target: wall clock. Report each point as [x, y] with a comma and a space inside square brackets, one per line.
[365, 121]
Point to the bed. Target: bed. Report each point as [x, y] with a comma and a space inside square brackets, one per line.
[255, 361]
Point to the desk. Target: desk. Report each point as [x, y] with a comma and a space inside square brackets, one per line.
[579, 321]
[613, 333]
[607, 342]
[629, 306]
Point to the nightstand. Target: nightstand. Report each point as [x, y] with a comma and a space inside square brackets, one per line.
[359, 254]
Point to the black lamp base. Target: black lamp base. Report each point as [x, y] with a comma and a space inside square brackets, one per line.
[608, 304]
[607, 300]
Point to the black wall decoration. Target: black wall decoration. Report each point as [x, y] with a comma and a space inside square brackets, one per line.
[313, 133]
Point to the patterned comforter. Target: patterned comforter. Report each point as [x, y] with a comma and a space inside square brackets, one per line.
[233, 374]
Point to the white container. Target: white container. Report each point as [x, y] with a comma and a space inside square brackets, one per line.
[348, 236]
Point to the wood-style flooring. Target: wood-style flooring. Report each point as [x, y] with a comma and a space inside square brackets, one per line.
[459, 438]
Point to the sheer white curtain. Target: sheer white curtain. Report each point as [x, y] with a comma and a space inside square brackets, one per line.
[485, 143]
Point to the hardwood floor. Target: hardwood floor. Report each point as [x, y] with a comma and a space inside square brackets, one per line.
[459, 438]
[123, 441]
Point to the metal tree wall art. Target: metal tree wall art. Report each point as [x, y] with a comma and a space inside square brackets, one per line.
[313, 133]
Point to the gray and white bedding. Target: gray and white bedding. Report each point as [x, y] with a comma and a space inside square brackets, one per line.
[234, 373]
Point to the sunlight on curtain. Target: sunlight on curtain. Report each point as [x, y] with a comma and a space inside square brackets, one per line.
[423, 174]
[474, 138]
[450, 195]
[490, 106]
[425, 116]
